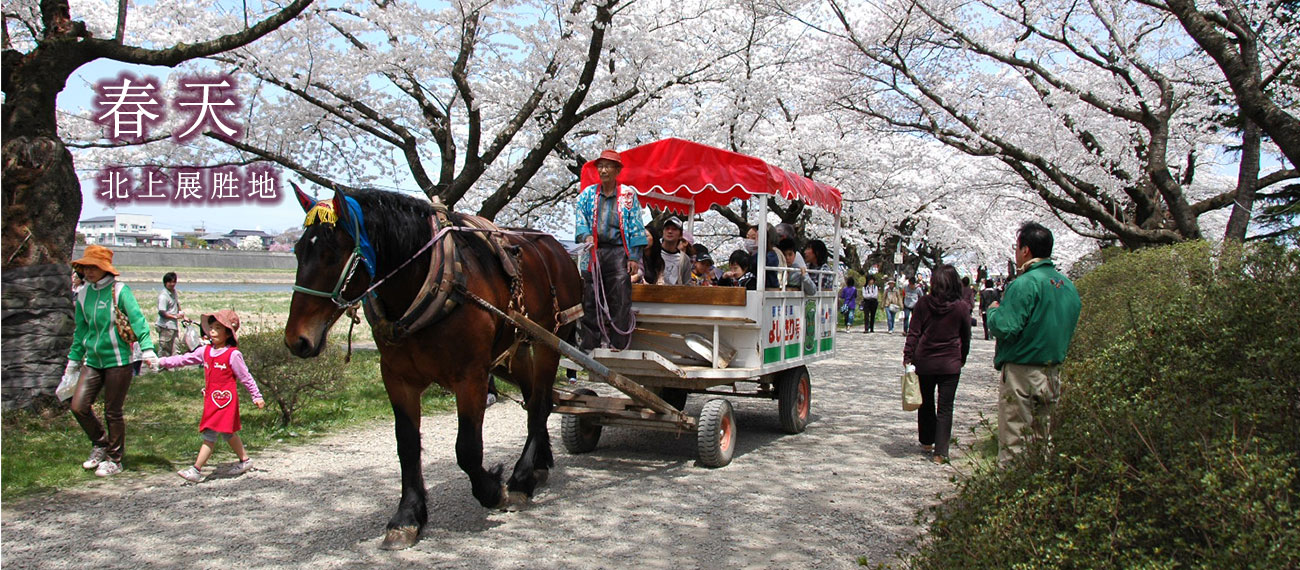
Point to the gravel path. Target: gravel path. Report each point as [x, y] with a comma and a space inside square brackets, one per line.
[849, 486]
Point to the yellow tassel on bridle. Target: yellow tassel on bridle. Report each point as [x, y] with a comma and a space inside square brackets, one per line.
[323, 212]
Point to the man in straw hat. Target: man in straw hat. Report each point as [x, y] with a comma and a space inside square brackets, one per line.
[98, 342]
[608, 221]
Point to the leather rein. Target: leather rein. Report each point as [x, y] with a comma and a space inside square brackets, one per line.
[443, 282]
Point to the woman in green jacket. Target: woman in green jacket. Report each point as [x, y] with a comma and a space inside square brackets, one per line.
[107, 356]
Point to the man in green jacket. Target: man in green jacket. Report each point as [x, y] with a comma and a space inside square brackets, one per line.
[1033, 325]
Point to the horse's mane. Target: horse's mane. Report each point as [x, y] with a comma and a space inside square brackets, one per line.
[398, 224]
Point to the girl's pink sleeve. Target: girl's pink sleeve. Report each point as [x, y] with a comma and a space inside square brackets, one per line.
[195, 357]
[245, 377]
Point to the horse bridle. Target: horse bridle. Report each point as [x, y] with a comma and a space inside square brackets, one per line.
[357, 257]
[345, 277]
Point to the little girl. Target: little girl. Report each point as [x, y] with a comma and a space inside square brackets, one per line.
[222, 364]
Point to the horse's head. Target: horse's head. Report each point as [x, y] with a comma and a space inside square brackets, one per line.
[328, 277]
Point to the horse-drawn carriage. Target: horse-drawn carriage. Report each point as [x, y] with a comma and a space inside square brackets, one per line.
[451, 298]
[720, 342]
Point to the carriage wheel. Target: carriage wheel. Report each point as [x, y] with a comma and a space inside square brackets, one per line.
[794, 398]
[580, 434]
[716, 438]
[676, 397]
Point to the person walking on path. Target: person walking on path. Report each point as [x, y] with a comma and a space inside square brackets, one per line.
[849, 302]
[937, 344]
[223, 364]
[893, 303]
[870, 302]
[169, 312]
[988, 296]
[1033, 325]
[98, 342]
[967, 292]
[608, 221]
[911, 295]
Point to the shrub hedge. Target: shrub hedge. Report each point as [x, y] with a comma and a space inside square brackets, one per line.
[289, 382]
[1175, 443]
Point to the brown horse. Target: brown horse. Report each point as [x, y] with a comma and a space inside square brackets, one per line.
[400, 256]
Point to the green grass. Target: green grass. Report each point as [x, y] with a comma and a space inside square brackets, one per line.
[186, 274]
[259, 311]
[43, 452]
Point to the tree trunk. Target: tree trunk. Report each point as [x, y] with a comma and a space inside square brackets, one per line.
[41, 205]
[1247, 180]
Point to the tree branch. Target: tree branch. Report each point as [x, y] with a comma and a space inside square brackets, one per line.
[182, 52]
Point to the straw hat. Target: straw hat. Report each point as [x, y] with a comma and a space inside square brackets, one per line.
[611, 156]
[97, 256]
[226, 317]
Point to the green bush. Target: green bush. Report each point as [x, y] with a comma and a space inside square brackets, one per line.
[1175, 443]
[286, 380]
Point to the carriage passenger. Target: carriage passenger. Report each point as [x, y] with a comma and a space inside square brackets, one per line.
[786, 231]
[703, 273]
[797, 278]
[668, 259]
[677, 254]
[740, 272]
[817, 257]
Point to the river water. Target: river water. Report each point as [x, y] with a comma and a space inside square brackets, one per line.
[207, 287]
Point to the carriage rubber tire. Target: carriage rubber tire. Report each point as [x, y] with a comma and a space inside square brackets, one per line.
[794, 399]
[580, 434]
[716, 438]
[676, 397]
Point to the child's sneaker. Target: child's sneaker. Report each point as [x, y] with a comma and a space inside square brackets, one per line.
[97, 456]
[107, 468]
[190, 474]
[242, 467]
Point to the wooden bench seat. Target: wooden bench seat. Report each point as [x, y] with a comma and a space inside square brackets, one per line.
[688, 295]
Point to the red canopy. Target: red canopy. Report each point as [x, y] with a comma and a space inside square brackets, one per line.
[709, 176]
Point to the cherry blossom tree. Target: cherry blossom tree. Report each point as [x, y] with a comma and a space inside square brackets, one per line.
[1101, 109]
[470, 102]
[42, 46]
[1255, 46]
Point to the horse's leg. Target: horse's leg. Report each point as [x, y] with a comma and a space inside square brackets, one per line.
[536, 374]
[412, 514]
[471, 401]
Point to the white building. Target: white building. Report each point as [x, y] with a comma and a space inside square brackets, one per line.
[124, 230]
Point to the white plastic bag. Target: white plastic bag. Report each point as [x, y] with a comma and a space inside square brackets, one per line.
[193, 338]
[911, 389]
[67, 384]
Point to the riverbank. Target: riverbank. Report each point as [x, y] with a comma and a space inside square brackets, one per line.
[153, 274]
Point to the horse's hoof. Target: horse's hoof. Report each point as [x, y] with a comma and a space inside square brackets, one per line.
[542, 475]
[400, 538]
[504, 503]
[516, 501]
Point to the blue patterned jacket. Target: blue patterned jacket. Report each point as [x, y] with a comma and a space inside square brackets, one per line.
[629, 217]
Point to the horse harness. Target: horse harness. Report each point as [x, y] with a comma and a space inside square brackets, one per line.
[444, 288]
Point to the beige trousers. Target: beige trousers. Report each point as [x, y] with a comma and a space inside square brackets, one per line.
[1028, 396]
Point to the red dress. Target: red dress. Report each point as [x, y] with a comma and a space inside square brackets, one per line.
[220, 398]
